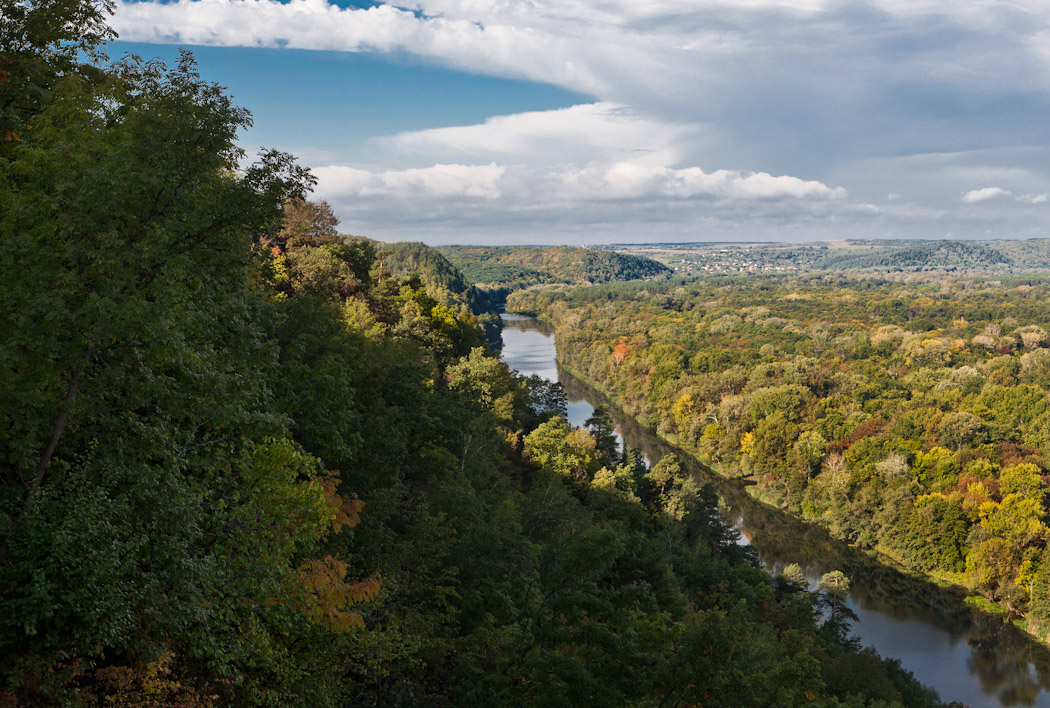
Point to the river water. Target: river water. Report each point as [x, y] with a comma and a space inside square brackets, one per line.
[965, 655]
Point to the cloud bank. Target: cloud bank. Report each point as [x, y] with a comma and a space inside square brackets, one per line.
[776, 117]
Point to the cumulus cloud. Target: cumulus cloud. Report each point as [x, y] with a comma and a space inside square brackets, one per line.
[984, 194]
[440, 181]
[1034, 198]
[618, 47]
[980, 195]
[509, 50]
[703, 109]
[580, 164]
[625, 201]
[623, 181]
[628, 180]
[581, 133]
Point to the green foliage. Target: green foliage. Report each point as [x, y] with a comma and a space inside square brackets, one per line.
[245, 465]
[908, 415]
[442, 280]
[915, 255]
[504, 269]
[41, 44]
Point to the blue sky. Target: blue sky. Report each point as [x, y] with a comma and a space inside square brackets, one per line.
[332, 104]
[567, 121]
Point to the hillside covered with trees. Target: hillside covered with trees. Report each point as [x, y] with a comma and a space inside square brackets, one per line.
[442, 281]
[886, 256]
[309, 223]
[911, 417]
[916, 255]
[503, 269]
[245, 464]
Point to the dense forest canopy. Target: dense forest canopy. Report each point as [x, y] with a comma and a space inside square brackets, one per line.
[908, 416]
[246, 464]
[442, 280]
[912, 255]
[506, 268]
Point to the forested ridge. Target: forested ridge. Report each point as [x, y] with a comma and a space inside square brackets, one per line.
[503, 269]
[885, 256]
[917, 255]
[245, 464]
[442, 280]
[907, 415]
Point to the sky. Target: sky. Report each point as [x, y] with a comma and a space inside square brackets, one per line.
[627, 121]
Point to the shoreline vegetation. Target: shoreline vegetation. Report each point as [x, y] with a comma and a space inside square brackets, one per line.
[749, 486]
[248, 460]
[788, 381]
[885, 588]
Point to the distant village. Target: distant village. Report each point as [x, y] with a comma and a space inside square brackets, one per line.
[739, 260]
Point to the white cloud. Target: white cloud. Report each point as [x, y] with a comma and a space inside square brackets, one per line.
[582, 133]
[440, 181]
[1034, 198]
[980, 195]
[615, 48]
[518, 51]
[623, 181]
[705, 110]
[625, 201]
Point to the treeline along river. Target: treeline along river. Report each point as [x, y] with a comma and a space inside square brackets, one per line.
[966, 655]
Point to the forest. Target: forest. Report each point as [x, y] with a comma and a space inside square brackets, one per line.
[442, 281]
[907, 415]
[917, 255]
[504, 269]
[885, 256]
[250, 461]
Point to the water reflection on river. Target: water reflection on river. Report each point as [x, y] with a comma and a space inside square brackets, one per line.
[966, 656]
[528, 347]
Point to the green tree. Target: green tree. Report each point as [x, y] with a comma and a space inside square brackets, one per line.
[134, 353]
[560, 448]
[40, 44]
[833, 585]
[601, 428]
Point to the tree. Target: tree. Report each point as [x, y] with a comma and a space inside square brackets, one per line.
[603, 431]
[134, 383]
[547, 398]
[960, 430]
[832, 585]
[307, 223]
[809, 451]
[91, 286]
[670, 491]
[40, 43]
[794, 575]
[563, 449]
[1039, 606]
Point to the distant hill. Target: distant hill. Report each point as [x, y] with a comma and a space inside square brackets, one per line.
[1031, 254]
[502, 269]
[911, 255]
[443, 281]
[698, 260]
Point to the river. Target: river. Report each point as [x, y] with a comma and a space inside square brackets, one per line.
[966, 655]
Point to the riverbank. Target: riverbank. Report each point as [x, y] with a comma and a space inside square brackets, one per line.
[968, 656]
[883, 555]
[951, 582]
